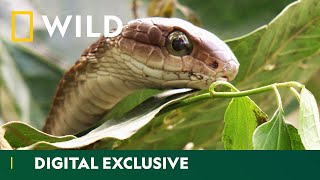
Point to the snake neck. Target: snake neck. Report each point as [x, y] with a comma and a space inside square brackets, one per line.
[89, 89]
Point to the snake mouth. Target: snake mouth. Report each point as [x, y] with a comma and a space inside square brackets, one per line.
[222, 78]
[198, 80]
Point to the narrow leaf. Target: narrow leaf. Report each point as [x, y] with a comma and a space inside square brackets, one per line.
[115, 130]
[18, 134]
[14, 88]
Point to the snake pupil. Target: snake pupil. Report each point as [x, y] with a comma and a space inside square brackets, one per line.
[178, 44]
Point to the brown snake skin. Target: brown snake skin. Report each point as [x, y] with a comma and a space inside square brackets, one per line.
[112, 68]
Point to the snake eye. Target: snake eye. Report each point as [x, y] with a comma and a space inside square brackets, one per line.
[178, 44]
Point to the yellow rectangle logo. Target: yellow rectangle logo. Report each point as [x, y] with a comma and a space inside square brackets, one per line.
[13, 29]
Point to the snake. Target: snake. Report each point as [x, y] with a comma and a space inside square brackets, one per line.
[149, 53]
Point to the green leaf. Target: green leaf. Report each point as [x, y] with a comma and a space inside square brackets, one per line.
[111, 133]
[314, 86]
[268, 55]
[274, 134]
[227, 20]
[241, 119]
[18, 134]
[280, 51]
[308, 121]
[296, 143]
[130, 102]
[275, 51]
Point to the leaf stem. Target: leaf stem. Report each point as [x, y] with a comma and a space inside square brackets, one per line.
[234, 93]
[279, 101]
[295, 93]
[248, 92]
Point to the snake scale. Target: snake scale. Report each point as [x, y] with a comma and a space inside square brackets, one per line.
[153, 52]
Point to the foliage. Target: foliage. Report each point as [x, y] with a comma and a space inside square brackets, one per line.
[286, 49]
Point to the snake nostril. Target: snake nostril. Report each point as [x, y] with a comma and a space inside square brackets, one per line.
[214, 65]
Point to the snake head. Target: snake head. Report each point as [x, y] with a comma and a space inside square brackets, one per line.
[178, 53]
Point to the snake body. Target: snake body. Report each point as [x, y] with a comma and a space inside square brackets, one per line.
[147, 54]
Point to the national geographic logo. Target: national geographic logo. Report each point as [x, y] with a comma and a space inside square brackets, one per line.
[62, 27]
[13, 26]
